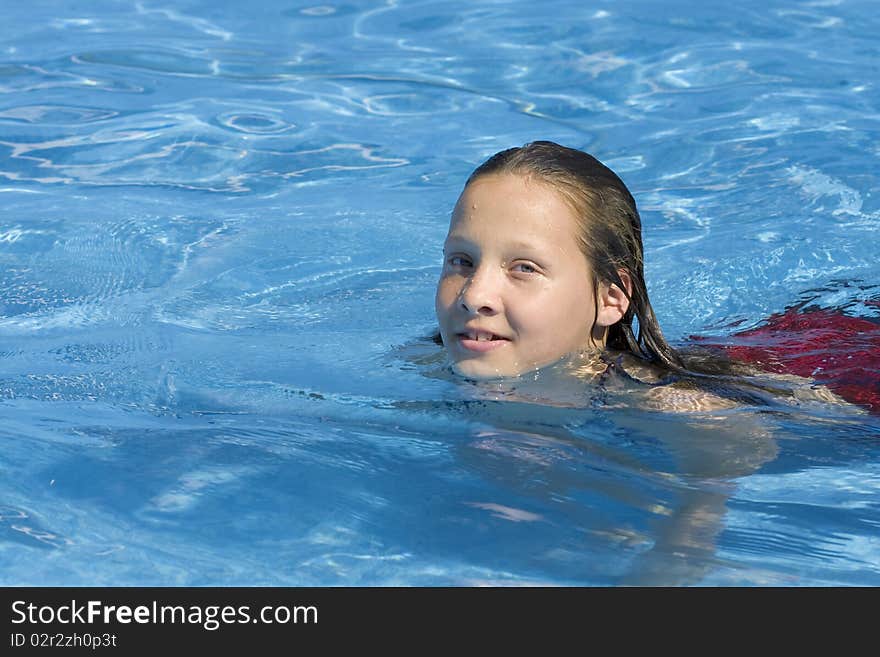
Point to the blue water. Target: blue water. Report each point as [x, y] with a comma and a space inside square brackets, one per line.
[220, 235]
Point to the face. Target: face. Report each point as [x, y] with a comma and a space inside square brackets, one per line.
[516, 291]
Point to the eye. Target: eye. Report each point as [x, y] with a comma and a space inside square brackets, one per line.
[525, 268]
[458, 260]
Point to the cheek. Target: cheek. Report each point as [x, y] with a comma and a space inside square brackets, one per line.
[447, 290]
[443, 297]
[580, 316]
[541, 306]
[561, 318]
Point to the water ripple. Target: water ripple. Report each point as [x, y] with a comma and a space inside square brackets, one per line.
[19, 526]
[71, 277]
[167, 63]
[56, 114]
[179, 149]
[199, 24]
[254, 123]
[227, 220]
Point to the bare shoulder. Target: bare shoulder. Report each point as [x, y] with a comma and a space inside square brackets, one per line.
[675, 396]
[684, 396]
[807, 390]
[680, 399]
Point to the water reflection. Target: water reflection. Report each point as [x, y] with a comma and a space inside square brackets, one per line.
[652, 483]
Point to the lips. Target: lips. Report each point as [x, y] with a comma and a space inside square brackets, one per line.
[479, 335]
[480, 341]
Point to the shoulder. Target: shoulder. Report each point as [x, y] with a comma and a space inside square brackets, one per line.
[664, 391]
[807, 391]
[681, 399]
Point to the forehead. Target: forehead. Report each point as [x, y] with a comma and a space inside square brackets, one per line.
[516, 206]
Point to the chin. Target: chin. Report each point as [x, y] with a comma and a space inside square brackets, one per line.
[481, 371]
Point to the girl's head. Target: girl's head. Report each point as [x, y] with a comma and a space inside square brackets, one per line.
[544, 259]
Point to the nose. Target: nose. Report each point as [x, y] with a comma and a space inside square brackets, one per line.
[480, 295]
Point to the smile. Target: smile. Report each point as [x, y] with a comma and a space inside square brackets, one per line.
[480, 341]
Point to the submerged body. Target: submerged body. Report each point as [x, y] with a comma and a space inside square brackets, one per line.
[709, 440]
[840, 352]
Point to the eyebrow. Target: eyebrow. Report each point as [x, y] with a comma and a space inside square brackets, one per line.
[455, 239]
[521, 246]
[518, 245]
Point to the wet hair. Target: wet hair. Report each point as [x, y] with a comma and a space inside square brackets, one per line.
[610, 236]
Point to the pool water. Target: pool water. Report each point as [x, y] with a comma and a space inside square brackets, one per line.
[220, 236]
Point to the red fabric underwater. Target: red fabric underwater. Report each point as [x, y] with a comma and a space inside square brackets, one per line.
[827, 346]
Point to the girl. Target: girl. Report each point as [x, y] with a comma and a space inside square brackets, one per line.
[543, 264]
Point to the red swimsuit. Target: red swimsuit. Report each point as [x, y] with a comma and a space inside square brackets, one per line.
[834, 349]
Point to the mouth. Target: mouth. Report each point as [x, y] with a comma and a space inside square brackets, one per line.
[480, 341]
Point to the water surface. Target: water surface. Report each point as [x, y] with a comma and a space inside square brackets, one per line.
[220, 237]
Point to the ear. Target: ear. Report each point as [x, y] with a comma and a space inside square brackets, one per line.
[612, 302]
